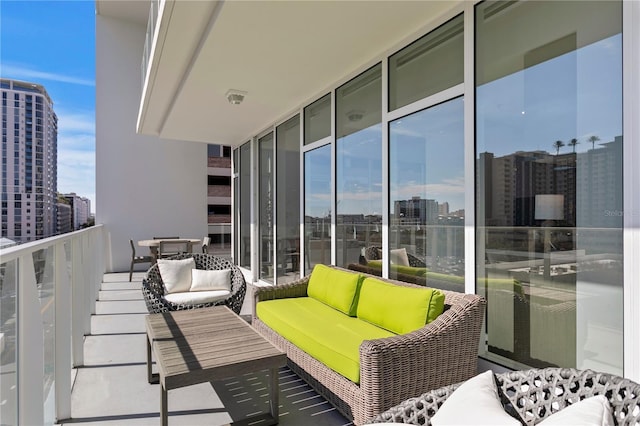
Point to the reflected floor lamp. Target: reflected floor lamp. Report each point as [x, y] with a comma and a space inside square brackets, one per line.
[548, 208]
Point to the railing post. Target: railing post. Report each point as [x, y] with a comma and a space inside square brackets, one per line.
[63, 334]
[78, 304]
[30, 345]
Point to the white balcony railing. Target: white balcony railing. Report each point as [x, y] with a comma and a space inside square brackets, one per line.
[48, 291]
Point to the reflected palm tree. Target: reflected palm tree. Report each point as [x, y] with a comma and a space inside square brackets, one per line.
[573, 144]
[557, 145]
[593, 139]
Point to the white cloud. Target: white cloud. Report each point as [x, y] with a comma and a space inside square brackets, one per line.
[75, 122]
[24, 73]
[76, 173]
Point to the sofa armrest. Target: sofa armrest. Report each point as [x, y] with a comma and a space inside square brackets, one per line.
[443, 352]
[296, 288]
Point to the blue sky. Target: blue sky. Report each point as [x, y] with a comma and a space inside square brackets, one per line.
[53, 43]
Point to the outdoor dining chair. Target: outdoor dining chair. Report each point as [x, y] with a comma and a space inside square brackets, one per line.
[137, 259]
[171, 247]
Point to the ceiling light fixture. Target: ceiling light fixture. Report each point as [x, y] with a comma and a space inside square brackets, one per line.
[235, 97]
[355, 115]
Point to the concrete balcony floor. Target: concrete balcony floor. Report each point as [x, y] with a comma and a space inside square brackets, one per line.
[112, 388]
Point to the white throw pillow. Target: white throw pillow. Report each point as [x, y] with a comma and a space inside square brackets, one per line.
[590, 411]
[475, 402]
[203, 280]
[176, 274]
[399, 257]
[197, 297]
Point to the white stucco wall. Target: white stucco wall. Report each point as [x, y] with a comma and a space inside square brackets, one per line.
[145, 186]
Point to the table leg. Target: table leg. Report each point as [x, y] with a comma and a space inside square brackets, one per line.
[274, 392]
[164, 415]
[151, 378]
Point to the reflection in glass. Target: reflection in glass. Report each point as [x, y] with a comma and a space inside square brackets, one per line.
[244, 205]
[358, 165]
[288, 200]
[431, 64]
[317, 120]
[549, 182]
[8, 344]
[317, 207]
[265, 206]
[426, 175]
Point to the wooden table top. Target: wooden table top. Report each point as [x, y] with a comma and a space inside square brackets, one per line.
[199, 345]
[156, 243]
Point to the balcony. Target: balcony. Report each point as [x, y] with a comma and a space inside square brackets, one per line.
[84, 329]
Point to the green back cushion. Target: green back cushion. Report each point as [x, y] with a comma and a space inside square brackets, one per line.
[335, 288]
[397, 308]
[408, 270]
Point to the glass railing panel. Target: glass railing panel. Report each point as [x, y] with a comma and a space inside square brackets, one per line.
[8, 346]
[44, 269]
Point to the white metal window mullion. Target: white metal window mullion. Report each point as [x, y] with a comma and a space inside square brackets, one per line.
[384, 128]
[469, 151]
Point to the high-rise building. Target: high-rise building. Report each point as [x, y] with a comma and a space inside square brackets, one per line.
[219, 196]
[29, 161]
[64, 216]
[80, 209]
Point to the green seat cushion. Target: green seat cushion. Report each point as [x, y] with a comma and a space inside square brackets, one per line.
[303, 321]
[335, 288]
[396, 308]
[401, 269]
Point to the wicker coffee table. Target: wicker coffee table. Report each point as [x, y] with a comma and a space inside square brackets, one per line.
[202, 345]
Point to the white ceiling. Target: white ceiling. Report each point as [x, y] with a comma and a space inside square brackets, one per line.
[283, 53]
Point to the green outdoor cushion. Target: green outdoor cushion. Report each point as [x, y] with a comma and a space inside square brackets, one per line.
[397, 308]
[321, 331]
[335, 288]
[509, 284]
[408, 270]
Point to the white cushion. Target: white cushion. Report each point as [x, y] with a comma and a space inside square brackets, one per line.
[197, 297]
[399, 257]
[176, 274]
[203, 280]
[475, 402]
[590, 411]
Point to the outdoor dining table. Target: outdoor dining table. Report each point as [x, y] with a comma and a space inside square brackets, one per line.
[155, 244]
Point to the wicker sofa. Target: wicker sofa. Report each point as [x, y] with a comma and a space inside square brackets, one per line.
[394, 368]
[154, 290]
[534, 394]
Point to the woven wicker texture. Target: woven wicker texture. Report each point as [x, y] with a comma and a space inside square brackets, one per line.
[153, 289]
[534, 394]
[394, 368]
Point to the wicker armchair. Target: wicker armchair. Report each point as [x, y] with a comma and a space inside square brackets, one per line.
[534, 394]
[153, 289]
[373, 253]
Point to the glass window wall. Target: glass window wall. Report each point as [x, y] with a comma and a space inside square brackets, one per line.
[426, 196]
[288, 200]
[549, 182]
[265, 206]
[359, 166]
[243, 204]
[430, 65]
[317, 120]
[317, 207]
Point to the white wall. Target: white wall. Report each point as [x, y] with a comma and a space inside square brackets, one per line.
[145, 186]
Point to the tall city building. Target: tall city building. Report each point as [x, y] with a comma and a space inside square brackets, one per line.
[80, 210]
[219, 196]
[29, 161]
